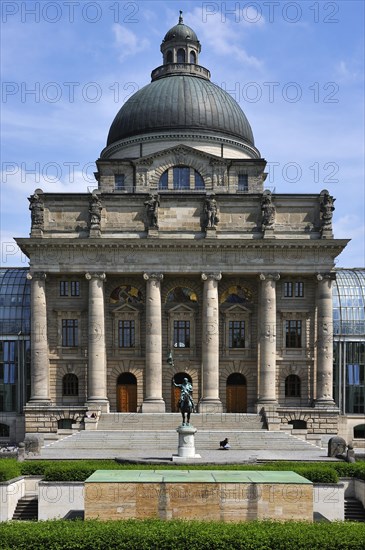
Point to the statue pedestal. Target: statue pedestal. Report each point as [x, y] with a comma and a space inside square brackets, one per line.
[186, 448]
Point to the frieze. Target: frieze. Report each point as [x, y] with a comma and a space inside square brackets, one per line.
[181, 256]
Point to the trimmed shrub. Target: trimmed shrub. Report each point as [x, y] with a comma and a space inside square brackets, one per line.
[9, 468]
[178, 535]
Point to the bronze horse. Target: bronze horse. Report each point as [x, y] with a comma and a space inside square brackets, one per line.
[186, 408]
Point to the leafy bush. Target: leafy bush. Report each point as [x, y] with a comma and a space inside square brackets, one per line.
[79, 470]
[178, 535]
[9, 468]
[345, 469]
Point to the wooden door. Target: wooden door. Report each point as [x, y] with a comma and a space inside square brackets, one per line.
[237, 399]
[175, 396]
[127, 397]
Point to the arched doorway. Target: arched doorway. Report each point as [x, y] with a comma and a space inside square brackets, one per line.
[236, 393]
[175, 392]
[127, 393]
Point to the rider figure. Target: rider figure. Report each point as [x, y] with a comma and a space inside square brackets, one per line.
[186, 390]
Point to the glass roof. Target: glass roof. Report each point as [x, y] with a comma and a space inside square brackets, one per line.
[349, 302]
[14, 301]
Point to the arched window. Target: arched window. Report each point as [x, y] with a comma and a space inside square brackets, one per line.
[126, 294]
[4, 430]
[292, 386]
[163, 183]
[181, 294]
[359, 431]
[169, 57]
[192, 57]
[65, 424]
[180, 55]
[298, 424]
[183, 178]
[70, 385]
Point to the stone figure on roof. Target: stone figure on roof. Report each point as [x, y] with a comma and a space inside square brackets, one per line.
[268, 211]
[95, 208]
[36, 207]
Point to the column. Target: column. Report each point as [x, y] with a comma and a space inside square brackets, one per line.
[267, 332]
[210, 401]
[153, 401]
[324, 391]
[96, 374]
[39, 340]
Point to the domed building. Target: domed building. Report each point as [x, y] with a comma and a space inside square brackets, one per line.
[181, 264]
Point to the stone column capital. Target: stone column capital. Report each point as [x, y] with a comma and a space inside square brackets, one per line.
[37, 275]
[323, 276]
[100, 276]
[153, 276]
[212, 276]
[269, 276]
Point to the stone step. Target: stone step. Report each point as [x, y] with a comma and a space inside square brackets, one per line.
[165, 421]
[166, 440]
[26, 509]
[354, 510]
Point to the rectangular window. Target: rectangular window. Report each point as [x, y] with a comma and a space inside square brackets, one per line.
[69, 286]
[63, 288]
[75, 288]
[236, 334]
[182, 334]
[70, 333]
[293, 332]
[8, 375]
[242, 182]
[126, 333]
[119, 182]
[299, 290]
[288, 290]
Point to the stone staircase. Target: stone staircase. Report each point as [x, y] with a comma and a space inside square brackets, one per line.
[354, 510]
[170, 421]
[154, 435]
[26, 508]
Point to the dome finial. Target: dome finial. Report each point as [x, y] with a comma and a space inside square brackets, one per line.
[181, 20]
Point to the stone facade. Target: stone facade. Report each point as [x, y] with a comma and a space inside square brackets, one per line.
[181, 248]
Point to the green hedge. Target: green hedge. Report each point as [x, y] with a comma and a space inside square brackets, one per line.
[79, 470]
[181, 535]
[9, 468]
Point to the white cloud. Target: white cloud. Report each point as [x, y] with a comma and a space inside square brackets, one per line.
[127, 42]
[223, 38]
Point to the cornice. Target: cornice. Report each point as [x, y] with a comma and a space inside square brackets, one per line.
[115, 147]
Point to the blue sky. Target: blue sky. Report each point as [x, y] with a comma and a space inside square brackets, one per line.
[296, 69]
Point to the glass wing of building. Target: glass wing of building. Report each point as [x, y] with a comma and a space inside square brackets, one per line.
[14, 339]
[349, 340]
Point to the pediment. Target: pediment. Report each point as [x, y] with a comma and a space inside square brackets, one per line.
[237, 308]
[181, 308]
[182, 153]
[125, 308]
